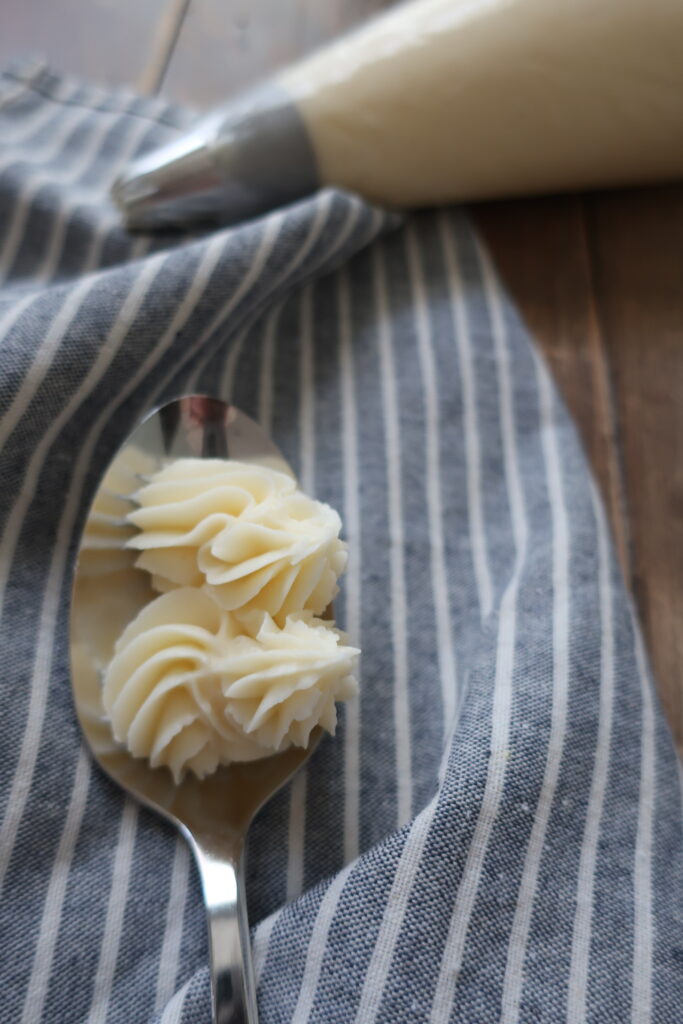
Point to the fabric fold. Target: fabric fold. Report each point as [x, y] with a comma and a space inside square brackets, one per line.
[495, 832]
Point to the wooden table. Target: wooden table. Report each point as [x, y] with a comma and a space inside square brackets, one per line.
[598, 277]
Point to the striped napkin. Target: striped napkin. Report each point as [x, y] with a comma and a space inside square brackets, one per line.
[494, 835]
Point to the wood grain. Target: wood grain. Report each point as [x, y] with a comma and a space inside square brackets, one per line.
[540, 249]
[227, 45]
[109, 41]
[636, 241]
[599, 281]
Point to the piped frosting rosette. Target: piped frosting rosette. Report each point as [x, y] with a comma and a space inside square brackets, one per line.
[232, 661]
[192, 686]
[244, 530]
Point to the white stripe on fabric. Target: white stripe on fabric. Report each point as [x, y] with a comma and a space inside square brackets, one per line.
[37, 374]
[323, 208]
[505, 656]
[227, 378]
[53, 253]
[317, 946]
[192, 385]
[319, 219]
[42, 360]
[583, 917]
[52, 592]
[306, 392]
[36, 158]
[355, 208]
[227, 389]
[17, 90]
[8, 96]
[140, 248]
[100, 232]
[264, 930]
[118, 895]
[317, 224]
[16, 228]
[394, 915]
[261, 943]
[469, 884]
[52, 911]
[7, 322]
[42, 116]
[353, 584]
[442, 609]
[641, 987]
[23, 775]
[513, 478]
[78, 196]
[169, 957]
[271, 230]
[521, 923]
[266, 417]
[66, 91]
[477, 528]
[399, 611]
[267, 365]
[298, 787]
[95, 94]
[174, 1011]
[296, 828]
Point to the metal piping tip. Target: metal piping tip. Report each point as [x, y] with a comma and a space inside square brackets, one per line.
[176, 183]
[237, 163]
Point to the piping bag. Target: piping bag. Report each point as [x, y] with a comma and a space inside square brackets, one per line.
[438, 101]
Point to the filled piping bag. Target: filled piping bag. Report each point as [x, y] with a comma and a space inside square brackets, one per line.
[439, 101]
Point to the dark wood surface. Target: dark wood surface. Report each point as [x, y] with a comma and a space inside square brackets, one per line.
[597, 277]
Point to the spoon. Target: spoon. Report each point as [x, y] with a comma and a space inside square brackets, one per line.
[213, 814]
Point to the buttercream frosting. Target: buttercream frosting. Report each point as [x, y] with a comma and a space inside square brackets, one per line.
[192, 685]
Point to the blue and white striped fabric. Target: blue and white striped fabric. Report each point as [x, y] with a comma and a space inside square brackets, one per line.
[495, 834]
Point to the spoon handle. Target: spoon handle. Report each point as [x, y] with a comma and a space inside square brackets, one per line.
[232, 973]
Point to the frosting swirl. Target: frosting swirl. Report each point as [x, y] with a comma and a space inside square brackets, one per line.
[244, 529]
[192, 685]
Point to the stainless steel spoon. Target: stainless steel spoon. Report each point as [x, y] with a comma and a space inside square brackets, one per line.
[213, 814]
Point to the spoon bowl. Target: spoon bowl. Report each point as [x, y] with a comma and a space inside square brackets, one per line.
[213, 813]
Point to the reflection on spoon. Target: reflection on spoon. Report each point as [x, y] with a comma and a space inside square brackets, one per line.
[214, 813]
